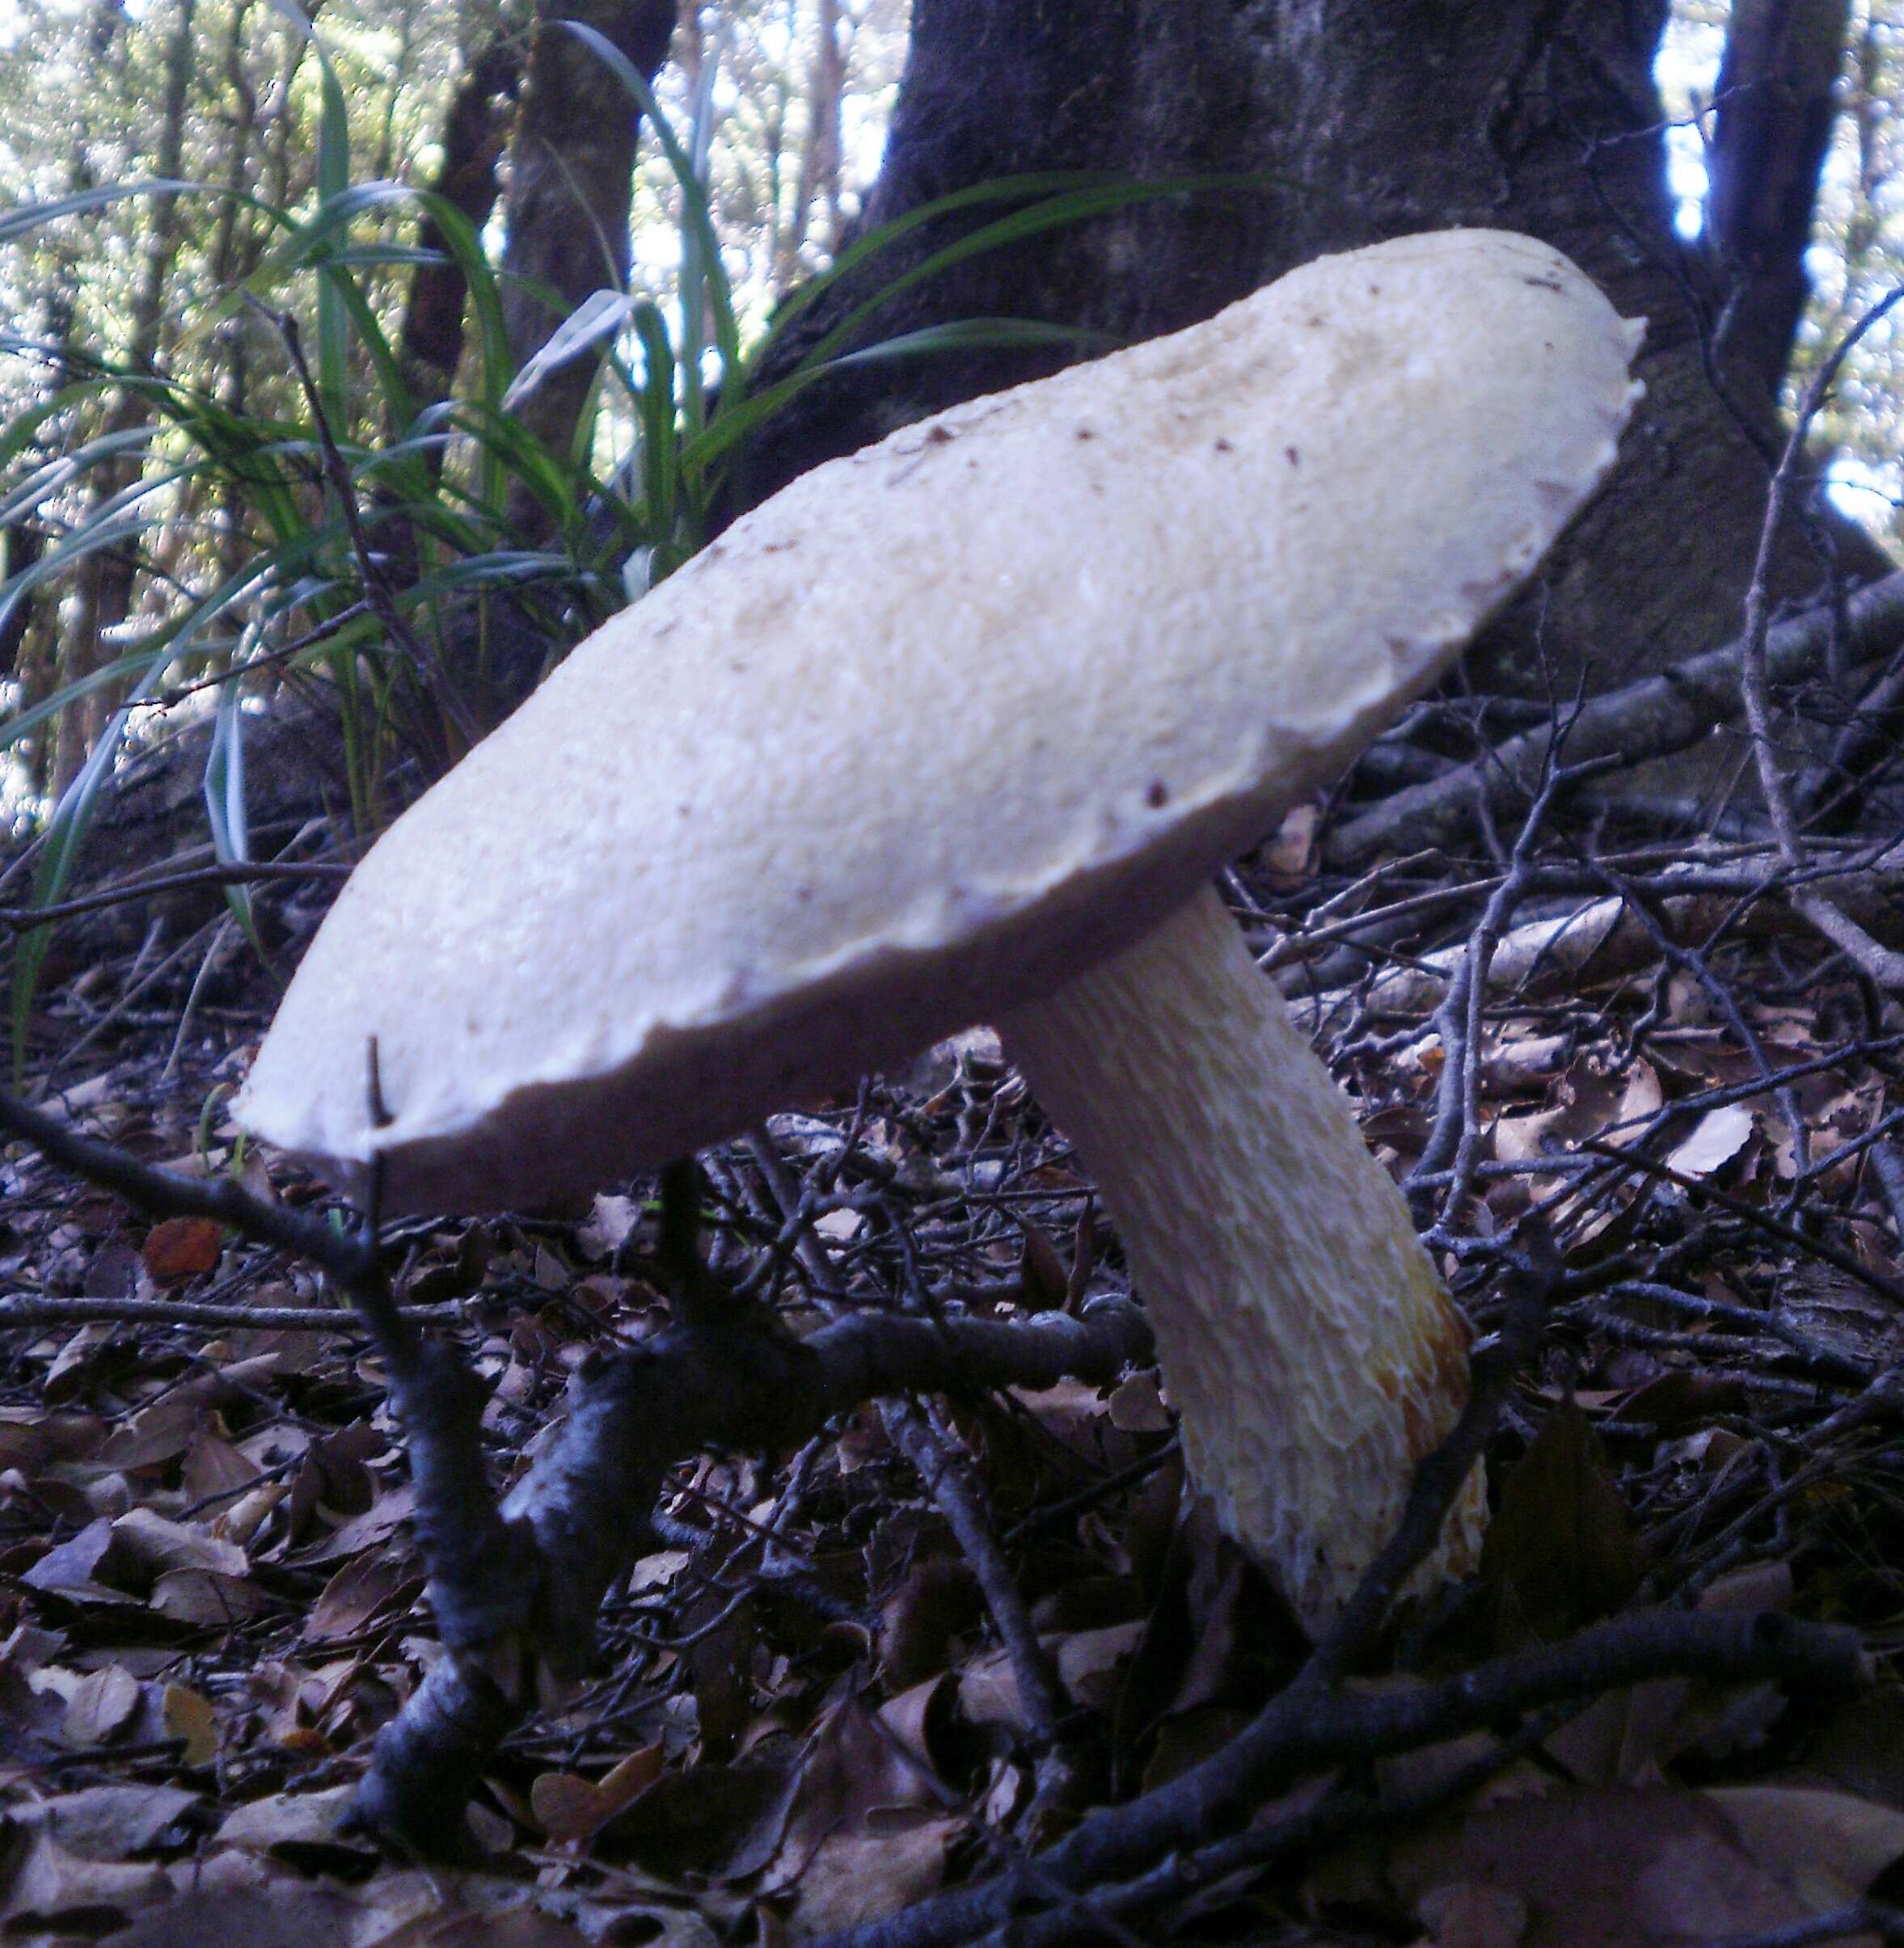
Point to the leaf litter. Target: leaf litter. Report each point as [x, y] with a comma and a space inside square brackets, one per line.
[806, 1719]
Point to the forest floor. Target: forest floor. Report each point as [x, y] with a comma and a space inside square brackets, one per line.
[210, 1599]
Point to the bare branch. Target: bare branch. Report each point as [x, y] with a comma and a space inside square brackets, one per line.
[1650, 719]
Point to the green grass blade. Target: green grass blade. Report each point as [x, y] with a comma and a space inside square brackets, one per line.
[224, 786]
[66, 837]
[695, 210]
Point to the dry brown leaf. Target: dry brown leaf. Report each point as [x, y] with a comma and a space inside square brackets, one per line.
[373, 1529]
[53, 1892]
[569, 1807]
[76, 1568]
[1828, 1847]
[1137, 1407]
[1859, 1744]
[182, 1248]
[287, 1913]
[859, 1877]
[33, 1439]
[1045, 1282]
[938, 1599]
[988, 1693]
[288, 1819]
[1286, 855]
[156, 1434]
[244, 1519]
[1561, 1551]
[1716, 1138]
[206, 1600]
[365, 1586]
[213, 1469]
[109, 1822]
[514, 1927]
[1628, 1737]
[188, 1715]
[723, 1822]
[153, 1546]
[852, 1769]
[102, 1705]
[1089, 1662]
[1605, 1868]
[1468, 1915]
[920, 1719]
[611, 1222]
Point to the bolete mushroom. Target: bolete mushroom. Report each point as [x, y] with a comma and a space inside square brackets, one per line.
[959, 729]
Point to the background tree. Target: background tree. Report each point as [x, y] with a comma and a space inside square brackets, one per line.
[1357, 122]
[313, 463]
[571, 161]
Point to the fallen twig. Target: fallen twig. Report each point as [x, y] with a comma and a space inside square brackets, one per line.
[628, 1423]
[1650, 719]
[521, 1582]
[1306, 1728]
[31, 1310]
[234, 873]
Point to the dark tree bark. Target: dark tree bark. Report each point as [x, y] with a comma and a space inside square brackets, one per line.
[1770, 135]
[571, 187]
[475, 128]
[1366, 118]
[1357, 120]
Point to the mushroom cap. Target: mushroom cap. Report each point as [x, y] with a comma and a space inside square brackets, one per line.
[944, 722]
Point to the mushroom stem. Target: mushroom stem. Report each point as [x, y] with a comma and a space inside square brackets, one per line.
[1306, 1342]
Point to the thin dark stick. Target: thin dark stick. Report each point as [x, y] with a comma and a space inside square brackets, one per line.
[958, 1500]
[348, 1257]
[1309, 1726]
[1797, 1241]
[236, 874]
[30, 1310]
[1651, 718]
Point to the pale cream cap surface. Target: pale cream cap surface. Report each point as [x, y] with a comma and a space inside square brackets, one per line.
[942, 722]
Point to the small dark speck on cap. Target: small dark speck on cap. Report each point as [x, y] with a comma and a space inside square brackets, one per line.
[939, 436]
[1158, 795]
[1295, 459]
[1223, 446]
[681, 811]
[1543, 284]
[1084, 433]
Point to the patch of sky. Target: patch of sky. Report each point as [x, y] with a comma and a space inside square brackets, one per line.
[1686, 71]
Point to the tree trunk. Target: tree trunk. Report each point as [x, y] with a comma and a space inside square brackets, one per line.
[1366, 118]
[476, 127]
[1769, 138]
[571, 187]
[105, 584]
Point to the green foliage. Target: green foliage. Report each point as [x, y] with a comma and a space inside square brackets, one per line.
[325, 525]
